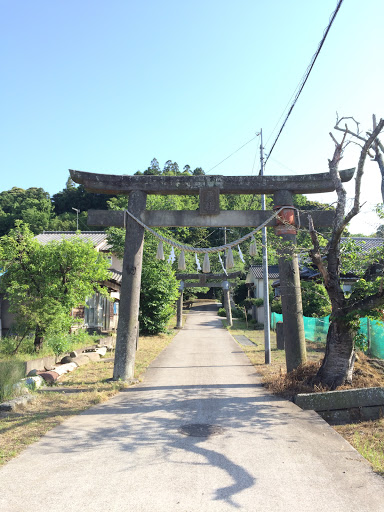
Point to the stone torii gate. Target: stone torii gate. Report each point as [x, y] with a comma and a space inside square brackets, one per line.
[203, 282]
[209, 189]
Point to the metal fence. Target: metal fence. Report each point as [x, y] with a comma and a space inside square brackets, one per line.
[316, 330]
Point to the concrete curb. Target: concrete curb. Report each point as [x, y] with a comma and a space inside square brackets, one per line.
[344, 406]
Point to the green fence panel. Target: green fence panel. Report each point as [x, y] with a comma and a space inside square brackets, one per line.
[316, 330]
[275, 317]
[376, 334]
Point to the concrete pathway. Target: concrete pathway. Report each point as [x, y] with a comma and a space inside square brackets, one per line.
[129, 454]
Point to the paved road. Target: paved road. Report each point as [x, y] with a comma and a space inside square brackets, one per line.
[129, 455]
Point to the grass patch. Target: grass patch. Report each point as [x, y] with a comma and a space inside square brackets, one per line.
[11, 372]
[368, 439]
[274, 375]
[76, 392]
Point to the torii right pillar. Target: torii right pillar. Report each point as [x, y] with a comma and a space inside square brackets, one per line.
[293, 324]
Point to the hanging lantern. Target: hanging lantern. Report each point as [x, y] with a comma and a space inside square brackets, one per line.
[160, 251]
[206, 264]
[230, 262]
[181, 263]
[253, 247]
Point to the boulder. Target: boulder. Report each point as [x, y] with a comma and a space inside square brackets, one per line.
[34, 382]
[66, 359]
[17, 403]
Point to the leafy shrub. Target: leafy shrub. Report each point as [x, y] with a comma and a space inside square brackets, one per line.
[11, 372]
[238, 312]
[59, 343]
[361, 342]
[159, 291]
[248, 303]
[240, 293]
[222, 312]
[9, 345]
[276, 306]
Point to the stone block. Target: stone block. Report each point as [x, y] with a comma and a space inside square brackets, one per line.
[93, 356]
[81, 360]
[50, 376]
[40, 364]
[344, 399]
[65, 368]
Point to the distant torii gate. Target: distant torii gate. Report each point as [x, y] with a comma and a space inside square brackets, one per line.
[209, 189]
[204, 280]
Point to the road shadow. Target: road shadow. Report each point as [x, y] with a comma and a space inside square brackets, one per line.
[151, 416]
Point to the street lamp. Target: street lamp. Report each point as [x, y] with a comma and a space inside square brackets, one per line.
[77, 218]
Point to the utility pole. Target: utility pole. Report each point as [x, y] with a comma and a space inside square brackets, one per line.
[77, 218]
[267, 328]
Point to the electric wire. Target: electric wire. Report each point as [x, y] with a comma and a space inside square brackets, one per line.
[229, 156]
[306, 75]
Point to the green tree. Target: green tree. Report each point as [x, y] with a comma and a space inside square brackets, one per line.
[44, 282]
[315, 299]
[158, 293]
[32, 206]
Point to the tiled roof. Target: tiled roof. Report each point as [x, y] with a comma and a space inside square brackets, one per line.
[366, 243]
[257, 271]
[115, 275]
[98, 238]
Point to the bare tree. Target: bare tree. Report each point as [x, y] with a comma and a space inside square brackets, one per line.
[376, 150]
[338, 363]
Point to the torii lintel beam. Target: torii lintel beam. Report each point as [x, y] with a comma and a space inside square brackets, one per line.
[169, 218]
[191, 185]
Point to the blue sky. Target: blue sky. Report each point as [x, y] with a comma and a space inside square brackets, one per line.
[107, 86]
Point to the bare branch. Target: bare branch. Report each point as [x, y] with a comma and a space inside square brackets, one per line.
[333, 138]
[360, 171]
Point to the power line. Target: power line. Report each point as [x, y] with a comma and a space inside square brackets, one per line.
[306, 74]
[229, 156]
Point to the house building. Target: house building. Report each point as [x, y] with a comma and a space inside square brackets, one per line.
[255, 283]
[99, 312]
[255, 272]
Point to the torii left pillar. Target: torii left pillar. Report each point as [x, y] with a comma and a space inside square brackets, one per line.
[127, 329]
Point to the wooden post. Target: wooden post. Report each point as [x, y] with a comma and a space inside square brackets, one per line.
[127, 329]
[227, 302]
[179, 321]
[293, 324]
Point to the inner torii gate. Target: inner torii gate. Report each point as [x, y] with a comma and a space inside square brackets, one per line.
[209, 189]
[204, 281]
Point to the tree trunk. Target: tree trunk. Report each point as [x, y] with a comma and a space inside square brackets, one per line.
[38, 342]
[339, 359]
